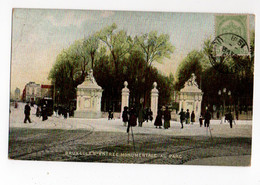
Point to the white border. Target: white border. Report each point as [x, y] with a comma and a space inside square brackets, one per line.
[33, 172]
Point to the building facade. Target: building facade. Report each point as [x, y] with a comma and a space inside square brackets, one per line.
[190, 97]
[32, 92]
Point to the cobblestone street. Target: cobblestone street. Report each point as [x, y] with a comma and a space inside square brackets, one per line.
[100, 140]
[95, 146]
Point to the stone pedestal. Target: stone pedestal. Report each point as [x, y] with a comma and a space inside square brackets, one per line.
[190, 97]
[89, 95]
[125, 97]
[154, 100]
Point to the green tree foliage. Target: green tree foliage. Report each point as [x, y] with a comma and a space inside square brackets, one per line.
[118, 43]
[155, 47]
[91, 45]
[114, 58]
[193, 63]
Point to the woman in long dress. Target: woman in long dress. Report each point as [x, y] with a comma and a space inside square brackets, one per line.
[158, 120]
[167, 118]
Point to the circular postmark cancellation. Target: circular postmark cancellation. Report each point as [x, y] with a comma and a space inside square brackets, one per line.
[228, 53]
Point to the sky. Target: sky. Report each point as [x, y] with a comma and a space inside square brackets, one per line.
[39, 35]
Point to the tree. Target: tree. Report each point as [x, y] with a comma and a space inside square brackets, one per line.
[118, 43]
[154, 47]
[69, 70]
[91, 45]
[192, 63]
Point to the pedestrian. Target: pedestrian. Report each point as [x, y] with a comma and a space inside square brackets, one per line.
[207, 119]
[237, 114]
[182, 117]
[201, 120]
[38, 111]
[192, 117]
[141, 116]
[158, 119]
[132, 118]
[167, 118]
[230, 118]
[146, 114]
[150, 114]
[125, 115]
[27, 110]
[187, 117]
[110, 114]
[44, 113]
[65, 112]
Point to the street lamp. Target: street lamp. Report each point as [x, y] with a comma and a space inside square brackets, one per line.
[224, 94]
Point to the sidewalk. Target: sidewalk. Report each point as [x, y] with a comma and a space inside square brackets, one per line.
[240, 129]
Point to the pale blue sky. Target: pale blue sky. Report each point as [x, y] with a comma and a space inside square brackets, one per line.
[39, 35]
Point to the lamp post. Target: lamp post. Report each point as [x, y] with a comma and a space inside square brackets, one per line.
[224, 94]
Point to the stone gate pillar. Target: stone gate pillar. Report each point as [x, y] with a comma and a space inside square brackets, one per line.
[154, 100]
[125, 97]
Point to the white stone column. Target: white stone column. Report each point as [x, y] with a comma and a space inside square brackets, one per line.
[125, 97]
[154, 100]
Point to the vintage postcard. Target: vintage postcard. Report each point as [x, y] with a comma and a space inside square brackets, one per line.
[132, 87]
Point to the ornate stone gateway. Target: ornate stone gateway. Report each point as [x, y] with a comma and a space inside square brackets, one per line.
[89, 95]
[190, 97]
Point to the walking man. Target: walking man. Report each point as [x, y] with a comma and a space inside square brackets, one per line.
[125, 115]
[187, 117]
[140, 116]
[27, 110]
[230, 118]
[182, 117]
[167, 118]
[207, 119]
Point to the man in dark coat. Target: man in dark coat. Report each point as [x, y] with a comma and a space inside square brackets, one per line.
[27, 110]
[230, 119]
[141, 116]
[187, 117]
[192, 117]
[158, 119]
[44, 112]
[167, 118]
[207, 119]
[182, 117]
[110, 114]
[150, 114]
[146, 114]
[132, 119]
[125, 115]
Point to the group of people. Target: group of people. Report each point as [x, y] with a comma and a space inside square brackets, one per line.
[131, 116]
[186, 117]
[40, 112]
[165, 115]
[143, 115]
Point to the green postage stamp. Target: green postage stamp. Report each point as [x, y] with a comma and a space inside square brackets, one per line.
[232, 33]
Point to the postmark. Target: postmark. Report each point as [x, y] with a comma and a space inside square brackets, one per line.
[227, 53]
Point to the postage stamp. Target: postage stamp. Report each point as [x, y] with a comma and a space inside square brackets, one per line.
[231, 40]
[131, 87]
[232, 23]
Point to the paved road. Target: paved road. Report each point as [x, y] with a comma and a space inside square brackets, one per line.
[100, 140]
